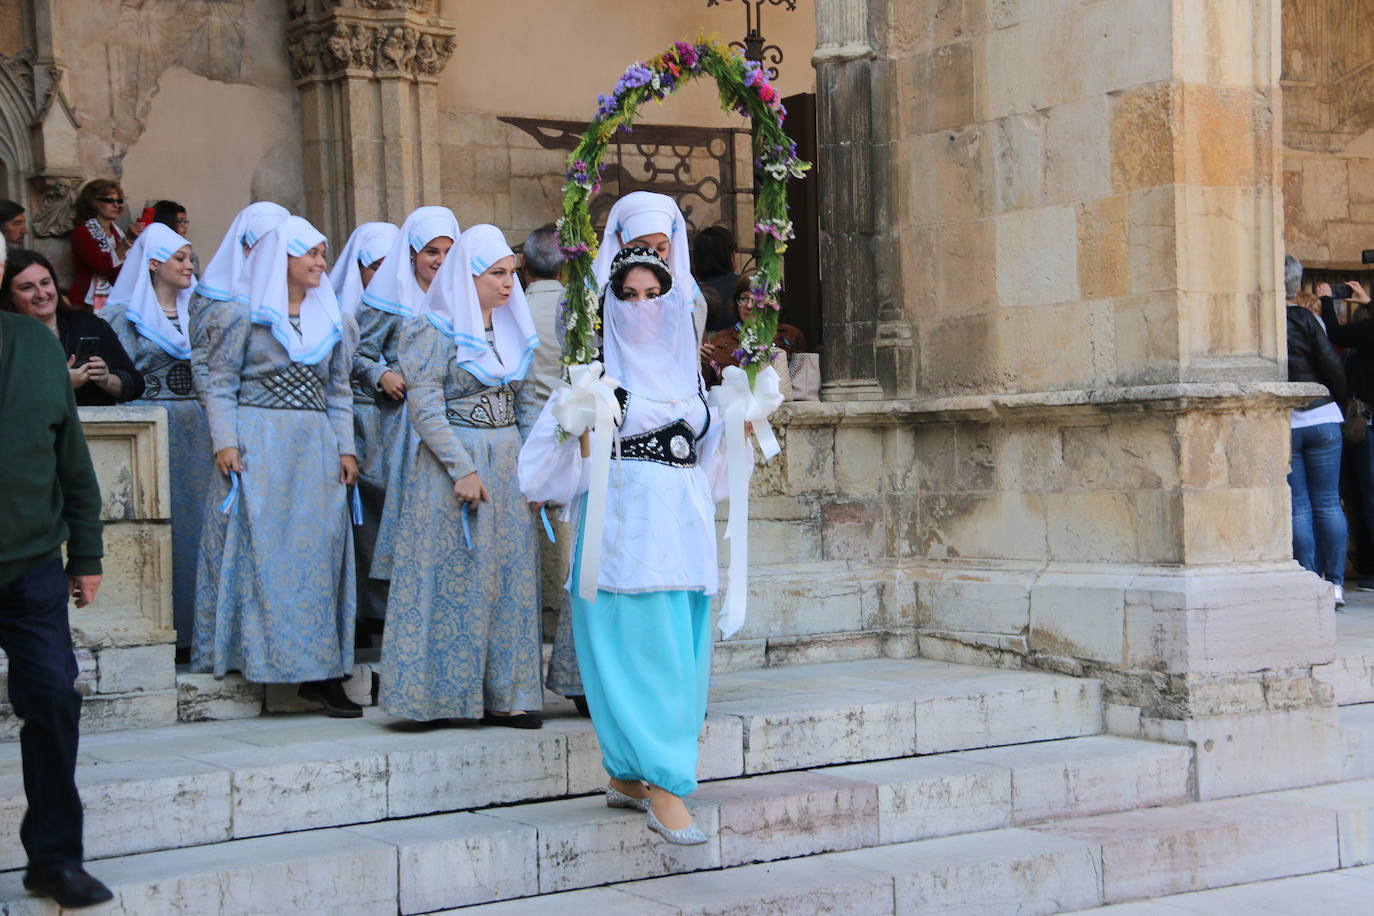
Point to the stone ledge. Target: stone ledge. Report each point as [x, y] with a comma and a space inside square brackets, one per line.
[986, 408]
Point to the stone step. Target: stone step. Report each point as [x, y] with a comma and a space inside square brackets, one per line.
[459, 859]
[270, 775]
[1348, 890]
[1351, 672]
[1050, 868]
[1357, 741]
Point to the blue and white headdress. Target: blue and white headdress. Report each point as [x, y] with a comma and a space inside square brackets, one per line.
[368, 244]
[321, 323]
[394, 289]
[134, 290]
[453, 307]
[223, 274]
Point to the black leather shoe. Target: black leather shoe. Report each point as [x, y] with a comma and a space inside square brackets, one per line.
[69, 885]
[524, 720]
[581, 703]
[330, 694]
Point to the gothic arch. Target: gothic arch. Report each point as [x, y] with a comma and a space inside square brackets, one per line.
[17, 116]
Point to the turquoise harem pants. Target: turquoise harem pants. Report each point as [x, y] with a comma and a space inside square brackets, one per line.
[646, 665]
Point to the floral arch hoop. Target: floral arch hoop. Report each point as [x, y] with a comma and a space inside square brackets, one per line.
[744, 88]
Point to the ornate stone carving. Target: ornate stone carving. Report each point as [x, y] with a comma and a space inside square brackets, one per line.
[378, 48]
[55, 213]
[1328, 73]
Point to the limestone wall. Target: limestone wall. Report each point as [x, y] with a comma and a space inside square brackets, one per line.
[125, 645]
[1328, 155]
[180, 99]
[1086, 192]
[535, 59]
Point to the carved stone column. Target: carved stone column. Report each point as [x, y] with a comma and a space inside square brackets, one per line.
[852, 200]
[368, 72]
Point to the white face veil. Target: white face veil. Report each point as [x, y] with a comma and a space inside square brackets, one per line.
[394, 289]
[134, 290]
[453, 307]
[321, 323]
[642, 213]
[222, 275]
[650, 347]
[368, 244]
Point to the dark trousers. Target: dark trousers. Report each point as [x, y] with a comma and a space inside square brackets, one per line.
[36, 636]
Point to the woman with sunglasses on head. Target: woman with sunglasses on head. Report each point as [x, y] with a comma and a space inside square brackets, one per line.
[462, 622]
[644, 635]
[99, 245]
[275, 594]
[147, 309]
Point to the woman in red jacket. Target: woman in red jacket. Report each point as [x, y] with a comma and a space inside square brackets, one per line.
[98, 245]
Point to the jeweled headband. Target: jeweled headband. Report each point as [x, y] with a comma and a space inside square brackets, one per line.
[637, 256]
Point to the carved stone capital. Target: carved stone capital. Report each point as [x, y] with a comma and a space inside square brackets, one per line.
[374, 39]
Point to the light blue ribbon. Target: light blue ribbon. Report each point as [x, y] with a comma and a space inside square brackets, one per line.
[231, 501]
[357, 506]
[467, 530]
[548, 529]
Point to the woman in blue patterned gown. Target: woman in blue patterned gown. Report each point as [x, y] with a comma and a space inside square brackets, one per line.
[275, 591]
[394, 295]
[462, 622]
[147, 309]
[357, 264]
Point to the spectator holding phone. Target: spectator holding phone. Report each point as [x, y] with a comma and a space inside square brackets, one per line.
[100, 370]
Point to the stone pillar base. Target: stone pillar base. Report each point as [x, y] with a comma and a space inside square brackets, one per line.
[1219, 657]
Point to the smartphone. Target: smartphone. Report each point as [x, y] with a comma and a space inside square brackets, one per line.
[86, 347]
[1341, 291]
[147, 217]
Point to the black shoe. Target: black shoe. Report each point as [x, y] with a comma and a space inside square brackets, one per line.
[331, 695]
[69, 885]
[581, 703]
[524, 720]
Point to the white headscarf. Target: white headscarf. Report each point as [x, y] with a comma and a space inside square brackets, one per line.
[452, 306]
[393, 288]
[221, 277]
[134, 290]
[642, 213]
[367, 245]
[321, 323]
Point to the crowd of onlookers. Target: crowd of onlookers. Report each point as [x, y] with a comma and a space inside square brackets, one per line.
[1331, 343]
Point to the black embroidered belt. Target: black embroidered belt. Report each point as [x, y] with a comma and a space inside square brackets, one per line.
[169, 382]
[296, 387]
[492, 408]
[672, 445]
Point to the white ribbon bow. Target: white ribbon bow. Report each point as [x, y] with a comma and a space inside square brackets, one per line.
[588, 402]
[739, 405]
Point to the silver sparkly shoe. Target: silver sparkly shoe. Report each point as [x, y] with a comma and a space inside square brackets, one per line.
[617, 799]
[690, 835]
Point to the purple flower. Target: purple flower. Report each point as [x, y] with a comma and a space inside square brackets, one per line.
[687, 54]
[605, 104]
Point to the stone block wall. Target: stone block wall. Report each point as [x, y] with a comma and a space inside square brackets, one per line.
[125, 645]
[1086, 192]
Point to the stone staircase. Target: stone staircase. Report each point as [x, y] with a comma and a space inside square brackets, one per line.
[879, 786]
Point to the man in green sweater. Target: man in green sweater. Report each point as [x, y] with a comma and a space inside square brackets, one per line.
[48, 496]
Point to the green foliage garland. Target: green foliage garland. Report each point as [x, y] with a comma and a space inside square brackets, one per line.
[744, 88]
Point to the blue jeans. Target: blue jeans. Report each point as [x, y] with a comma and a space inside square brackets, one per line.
[1318, 523]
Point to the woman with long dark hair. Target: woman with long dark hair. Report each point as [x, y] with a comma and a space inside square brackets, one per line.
[100, 369]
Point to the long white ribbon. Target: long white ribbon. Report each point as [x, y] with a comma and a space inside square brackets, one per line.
[585, 403]
[739, 405]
